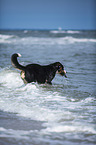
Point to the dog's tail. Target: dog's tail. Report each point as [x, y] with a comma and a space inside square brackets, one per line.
[15, 63]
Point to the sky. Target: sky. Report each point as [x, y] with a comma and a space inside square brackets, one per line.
[48, 14]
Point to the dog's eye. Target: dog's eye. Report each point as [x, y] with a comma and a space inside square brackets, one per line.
[59, 68]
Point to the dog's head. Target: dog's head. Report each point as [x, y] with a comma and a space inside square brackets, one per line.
[60, 69]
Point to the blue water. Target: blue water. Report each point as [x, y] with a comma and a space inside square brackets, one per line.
[59, 114]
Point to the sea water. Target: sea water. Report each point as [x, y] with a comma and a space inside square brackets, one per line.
[59, 114]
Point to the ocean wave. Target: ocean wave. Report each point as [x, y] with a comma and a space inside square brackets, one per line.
[72, 32]
[44, 41]
[62, 31]
[21, 134]
[5, 38]
[25, 31]
[33, 102]
[70, 128]
[73, 39]
[53, 41]
[57, 32]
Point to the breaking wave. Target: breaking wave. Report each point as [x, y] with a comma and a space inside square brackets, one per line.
[66, 32]
[5, 38]
[49, 41]
[34, 102]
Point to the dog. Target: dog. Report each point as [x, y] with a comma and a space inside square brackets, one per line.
[37, 73]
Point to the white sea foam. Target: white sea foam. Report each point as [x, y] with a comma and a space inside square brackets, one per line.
[74, 40]
[32, 101]
[44, 41]
[25, 31]
[63, 40]
[14, 133]
[10, 79]
[64, 31]
[53, 41]
[5, 38]
[72, 32]
[70, 128]
[58, 31]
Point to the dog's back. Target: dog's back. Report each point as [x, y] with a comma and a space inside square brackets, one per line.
[36, 72]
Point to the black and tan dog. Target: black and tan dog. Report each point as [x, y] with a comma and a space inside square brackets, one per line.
[36, 72]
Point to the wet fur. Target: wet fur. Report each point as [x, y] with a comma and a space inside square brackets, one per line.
[36, 72]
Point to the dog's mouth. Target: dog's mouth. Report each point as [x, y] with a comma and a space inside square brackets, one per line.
[62, 73]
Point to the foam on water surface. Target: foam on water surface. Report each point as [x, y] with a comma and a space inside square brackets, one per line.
[36, 40]
[62, 31]
[34, 102]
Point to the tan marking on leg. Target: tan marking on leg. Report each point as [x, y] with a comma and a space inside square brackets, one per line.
[22, 74]
[23, 77]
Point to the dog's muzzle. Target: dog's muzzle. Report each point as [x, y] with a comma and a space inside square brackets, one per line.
[63, 73]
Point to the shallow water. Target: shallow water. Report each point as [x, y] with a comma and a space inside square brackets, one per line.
[62, 113]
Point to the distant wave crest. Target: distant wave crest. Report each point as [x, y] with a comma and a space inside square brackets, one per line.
[42, 40]
[53, 41]
[73, 39]
[62, 31]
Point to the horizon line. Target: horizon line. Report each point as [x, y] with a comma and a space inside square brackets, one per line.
[40, 29]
